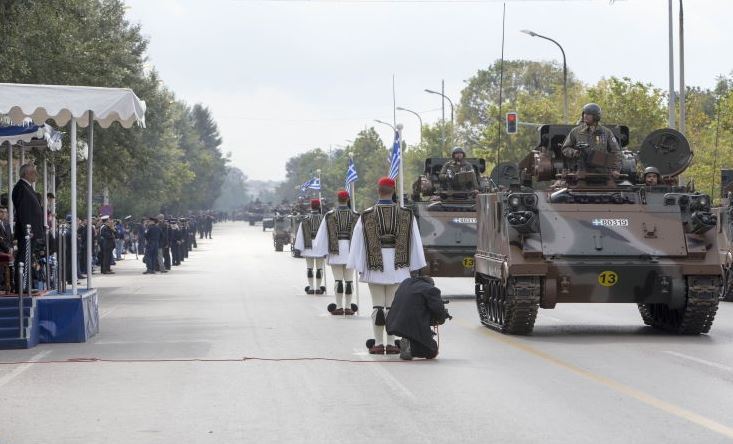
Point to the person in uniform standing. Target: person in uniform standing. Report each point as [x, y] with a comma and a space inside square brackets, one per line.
[107, 238]
[152, 242]
[304, 238]
[593, 145]
[175, 241]
[333, 240]
[456, 165]
[385, 248]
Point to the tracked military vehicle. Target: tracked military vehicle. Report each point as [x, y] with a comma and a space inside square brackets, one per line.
[446, 217]
[282, 231]
[726, 230]
[560, 235]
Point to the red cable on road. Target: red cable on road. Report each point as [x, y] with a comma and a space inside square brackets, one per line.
[175, 360]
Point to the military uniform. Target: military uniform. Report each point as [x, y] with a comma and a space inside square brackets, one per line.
[334, 240]
[385, 248]
[599, 139]
[304, 238]
[454, 166]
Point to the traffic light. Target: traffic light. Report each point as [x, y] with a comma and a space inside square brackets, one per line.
[511, 123]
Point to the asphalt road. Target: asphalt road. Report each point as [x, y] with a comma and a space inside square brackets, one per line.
[588, 373]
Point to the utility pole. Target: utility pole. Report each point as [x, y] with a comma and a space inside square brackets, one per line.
[683, 106]
[670, 104]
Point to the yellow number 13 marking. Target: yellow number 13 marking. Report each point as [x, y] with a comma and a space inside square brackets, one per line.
[608, 278]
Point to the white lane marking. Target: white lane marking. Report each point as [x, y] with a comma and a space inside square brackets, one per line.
[700, 361]
[388, 379]
[22, 368]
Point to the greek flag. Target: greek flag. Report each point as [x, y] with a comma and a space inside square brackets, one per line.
[351, 175]
[311, 184]
[394, 160]
[315, 184]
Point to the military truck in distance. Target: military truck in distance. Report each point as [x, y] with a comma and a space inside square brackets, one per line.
[589, 239]
[446, 216]
[282, 231]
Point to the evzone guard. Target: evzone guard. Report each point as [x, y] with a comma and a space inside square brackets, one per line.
[304, 238]
[385, 248]
[333, 240]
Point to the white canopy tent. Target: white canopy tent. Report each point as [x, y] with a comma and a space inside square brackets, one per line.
[76, 106]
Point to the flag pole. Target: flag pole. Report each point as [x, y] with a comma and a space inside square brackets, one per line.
[398, 128]
[353, 207]
[320, 203]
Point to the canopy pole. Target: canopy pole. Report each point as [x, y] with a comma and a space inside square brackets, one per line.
[74, 258]
[10, 188]
[46, 234]
[22, 158]
[53, 190]
[90, 183]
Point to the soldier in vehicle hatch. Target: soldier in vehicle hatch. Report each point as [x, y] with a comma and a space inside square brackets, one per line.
[594, 146]
[456, 165]
[651, 176]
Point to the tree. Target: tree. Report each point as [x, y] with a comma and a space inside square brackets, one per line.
[89, 42]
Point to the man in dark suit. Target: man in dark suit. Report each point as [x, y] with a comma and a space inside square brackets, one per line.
[28, 211]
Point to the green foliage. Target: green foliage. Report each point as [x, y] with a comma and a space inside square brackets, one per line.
[175, 164]
[637, 105]
[535, 91]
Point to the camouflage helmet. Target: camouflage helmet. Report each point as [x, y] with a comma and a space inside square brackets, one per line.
[457, 149]
[594, 110]
[652, 170]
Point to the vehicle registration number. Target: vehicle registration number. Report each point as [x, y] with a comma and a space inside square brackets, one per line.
[610, 222]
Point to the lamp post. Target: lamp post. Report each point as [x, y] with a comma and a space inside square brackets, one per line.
[399, 108]
[442, 132]
[564, 72]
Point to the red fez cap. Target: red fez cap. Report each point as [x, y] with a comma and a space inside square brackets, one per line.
[343, 195]
[315, 204]
[386, 182]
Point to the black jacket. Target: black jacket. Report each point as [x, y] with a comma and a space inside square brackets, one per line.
[153, 237]
[27, 211]
[417, 305]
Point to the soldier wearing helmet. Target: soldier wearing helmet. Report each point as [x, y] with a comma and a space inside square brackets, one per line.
[651, 176]
[456, 165]
[589, 139]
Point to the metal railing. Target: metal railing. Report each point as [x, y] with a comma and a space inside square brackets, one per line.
[24, 281]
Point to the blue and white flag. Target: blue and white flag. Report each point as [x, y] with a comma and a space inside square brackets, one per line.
[351, 175]
[395, 159]
[315, 184]
[307, 185]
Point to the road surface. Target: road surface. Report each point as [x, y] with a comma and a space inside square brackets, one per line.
[174, 372]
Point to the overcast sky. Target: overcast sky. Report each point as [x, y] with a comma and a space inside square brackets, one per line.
[282, 77]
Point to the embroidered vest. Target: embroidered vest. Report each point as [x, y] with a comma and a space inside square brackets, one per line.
[340, 226]
[387, 226]
[310, 228]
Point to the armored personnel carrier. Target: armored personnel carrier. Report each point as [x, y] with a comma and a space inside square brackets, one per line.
[282, 232]
[584, 239]
[726, 229]
[446, 216]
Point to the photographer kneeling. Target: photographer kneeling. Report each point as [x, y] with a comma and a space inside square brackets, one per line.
[417, 305]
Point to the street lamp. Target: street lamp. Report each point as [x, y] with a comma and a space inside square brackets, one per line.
[564, 72]
[385, 123]
[430, 91]
[399, 108]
